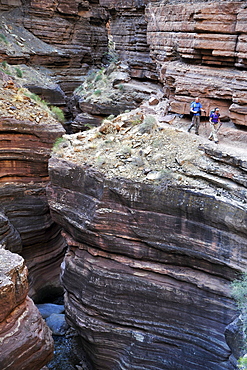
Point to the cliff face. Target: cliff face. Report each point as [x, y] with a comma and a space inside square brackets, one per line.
[149, 263]
[200, 50]
[66, 37]
[27, 134]
[26, 341]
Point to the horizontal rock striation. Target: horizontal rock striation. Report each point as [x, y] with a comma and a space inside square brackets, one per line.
[198, 33]
[27, 135]
[25, 149]
[67, 37]
[26, 341]
[148, 269]
[127, 28]
[33, 234]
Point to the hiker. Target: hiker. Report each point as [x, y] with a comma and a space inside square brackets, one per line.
[196, 109]
[215, 124]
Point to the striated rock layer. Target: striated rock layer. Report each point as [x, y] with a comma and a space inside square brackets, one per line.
[25, 340]
[27, 134]
[28, 229]
[148, 269]
[183, 36]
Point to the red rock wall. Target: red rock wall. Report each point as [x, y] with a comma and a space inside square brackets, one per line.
[165, 41]
[27, 135]
[185, 35]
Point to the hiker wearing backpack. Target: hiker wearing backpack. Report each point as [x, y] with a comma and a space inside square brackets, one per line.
[215, 124]
[195, 110]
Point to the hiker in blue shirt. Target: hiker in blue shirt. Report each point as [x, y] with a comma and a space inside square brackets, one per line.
[215, 124]
[196, 109]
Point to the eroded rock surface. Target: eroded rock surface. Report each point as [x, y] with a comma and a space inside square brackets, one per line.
[185, 35]
[149, 264]
[27, 135]
[26, 341]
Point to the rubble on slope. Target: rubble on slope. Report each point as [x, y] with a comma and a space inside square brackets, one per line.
[17, 102]
[137, 145]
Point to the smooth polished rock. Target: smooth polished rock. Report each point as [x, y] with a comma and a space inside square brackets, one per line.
[46, 309]
[57, 323]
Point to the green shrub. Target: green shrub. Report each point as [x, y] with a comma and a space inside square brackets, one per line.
[4, 64]
[58, 113]
[242, 363]
[88, 126]
[239, 293]
[148, 124]
[18, 72]
[97, 92]
[3, 39]
[110, 117]
[57, 143]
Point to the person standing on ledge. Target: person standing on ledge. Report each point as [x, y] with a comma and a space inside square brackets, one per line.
[196, 109]
[215, 124]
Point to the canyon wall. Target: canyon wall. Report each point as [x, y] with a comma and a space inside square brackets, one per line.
[148, 268]
[27, 135]
[200, 50]
[66, 37]
[191, 49]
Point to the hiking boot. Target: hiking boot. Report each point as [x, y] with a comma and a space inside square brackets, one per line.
[216, 142]
[197, 133]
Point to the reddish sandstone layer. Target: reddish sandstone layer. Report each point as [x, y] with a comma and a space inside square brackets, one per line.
[212, 35]
[27, 134]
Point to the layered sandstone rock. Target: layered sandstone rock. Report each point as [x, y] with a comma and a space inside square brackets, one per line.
[67, 37]
[33, 234]
[26, 341]
[127, 27]
[27, 134]
[149, 265]
[210, 34]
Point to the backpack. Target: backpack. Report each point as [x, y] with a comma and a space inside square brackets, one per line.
[191, 113]
[212, 111]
